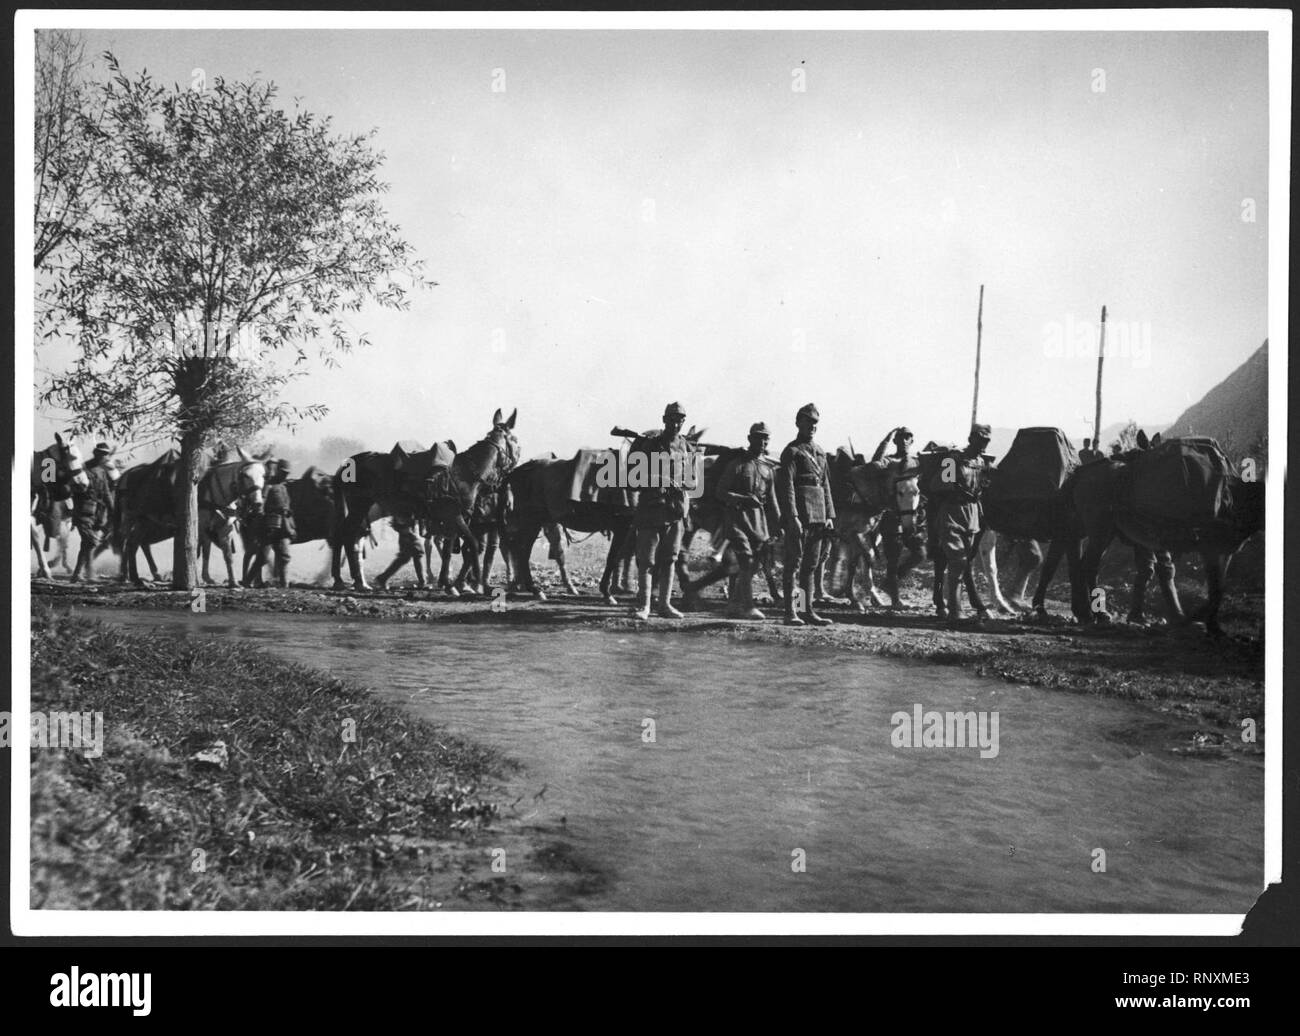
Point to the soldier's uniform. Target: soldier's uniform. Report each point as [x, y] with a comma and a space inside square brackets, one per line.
[277, 525]
[747, 491]
[804, 492]
[659, 519]
[92, 507]
[956, 487]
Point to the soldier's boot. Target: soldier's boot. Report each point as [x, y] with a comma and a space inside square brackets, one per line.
[810, 615]
[743, 605]
[642, 609]
[952, 593]
[381, 581]
[787, 581]
[666, 609]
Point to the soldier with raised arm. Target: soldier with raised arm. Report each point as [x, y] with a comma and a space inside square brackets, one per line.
[807, 513]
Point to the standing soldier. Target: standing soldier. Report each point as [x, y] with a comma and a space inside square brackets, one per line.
[661, 510]
[277, 525]
[956, 486]
[807, 513]
[1087, 453]
[747, 491]
[91, 508]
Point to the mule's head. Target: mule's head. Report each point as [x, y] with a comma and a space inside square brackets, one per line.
[503, 438]
[71, 466]
[907, 498]
[250, 482]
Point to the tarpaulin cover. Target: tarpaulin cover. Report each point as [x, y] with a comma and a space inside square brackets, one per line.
[1182, 480]
[1034, 468]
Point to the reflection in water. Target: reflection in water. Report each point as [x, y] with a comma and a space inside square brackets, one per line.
[763, 755]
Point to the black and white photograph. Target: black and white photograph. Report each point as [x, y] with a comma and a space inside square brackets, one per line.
[674, 473]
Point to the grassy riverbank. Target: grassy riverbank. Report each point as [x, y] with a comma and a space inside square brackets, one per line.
[323, 799]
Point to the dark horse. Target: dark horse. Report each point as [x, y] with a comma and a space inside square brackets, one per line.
[55, 471]
[1146, 500]
[414, 486]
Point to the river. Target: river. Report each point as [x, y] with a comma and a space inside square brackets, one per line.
[770, 780]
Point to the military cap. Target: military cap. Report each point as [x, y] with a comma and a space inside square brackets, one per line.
[102, 449]
[808, 410]
[759, 429]
[903, 433]
[980, 431]
[281, 466]
[674, 410]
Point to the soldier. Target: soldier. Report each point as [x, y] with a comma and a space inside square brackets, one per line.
[661, 510]
[902, 439]
[747, 491]
[956, 487]
[91, 508]
[807, 513]
[277, 525]
[1087, 453]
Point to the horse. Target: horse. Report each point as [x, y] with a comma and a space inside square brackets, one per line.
[145, 506]
[1179, 496]
[225, 489]
[877, 502]
[463, 501]
[409, 486]
[56, 471]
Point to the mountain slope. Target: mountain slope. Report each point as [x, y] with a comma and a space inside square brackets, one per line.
[1235, 412]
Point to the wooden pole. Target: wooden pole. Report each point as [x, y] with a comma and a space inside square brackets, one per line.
[1101, 357]
[979, 334]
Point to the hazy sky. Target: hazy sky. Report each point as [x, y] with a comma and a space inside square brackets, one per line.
[651, 216]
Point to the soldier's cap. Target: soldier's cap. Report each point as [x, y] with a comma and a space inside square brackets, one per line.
[904, 433]
[980, 431]
[281, 465]
[674, 410]
[102, 449]
[759, 429]
[808, 410]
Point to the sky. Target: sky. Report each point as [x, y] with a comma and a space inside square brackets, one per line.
[642, 217]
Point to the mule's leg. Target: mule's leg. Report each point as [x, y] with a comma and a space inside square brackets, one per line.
[1165, 576]
[1144, 561]
[988, 563]
[1216, 567]
[1095, 605]
[42, 566]
[1056, 549]
[489, 557]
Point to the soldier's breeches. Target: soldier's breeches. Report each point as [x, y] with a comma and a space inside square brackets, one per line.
[806, 551]
[657, 545]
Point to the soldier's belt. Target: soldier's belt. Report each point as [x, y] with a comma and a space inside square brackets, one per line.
[807, 481]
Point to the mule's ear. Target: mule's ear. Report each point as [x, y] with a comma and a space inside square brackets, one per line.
[1155, 439]
[243, 454]
[513, 415]
[1142, 441]
[58, 438]
[496, 418]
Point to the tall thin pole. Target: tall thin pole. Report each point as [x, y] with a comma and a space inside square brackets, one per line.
[979, 334]
[1101, 357]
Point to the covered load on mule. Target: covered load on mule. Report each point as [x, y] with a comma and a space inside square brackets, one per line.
[593, 472]
[1187, 481]
[1027, 480]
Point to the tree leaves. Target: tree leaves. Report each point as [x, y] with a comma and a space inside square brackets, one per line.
[228, 233]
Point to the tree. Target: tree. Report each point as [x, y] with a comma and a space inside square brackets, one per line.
[67, 114]
[228, 233]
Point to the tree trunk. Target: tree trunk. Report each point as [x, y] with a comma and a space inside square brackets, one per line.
[185, 546]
